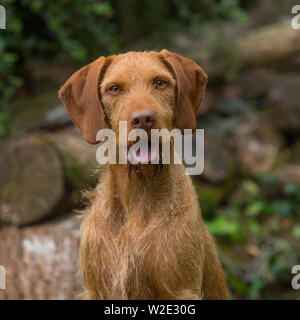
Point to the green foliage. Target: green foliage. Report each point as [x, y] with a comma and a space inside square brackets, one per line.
[255, 208]
[79, 176]
[74, 30]
[296, 231]
[82, 30]
[223, 226]
[255, 288]
[262, 218]
[210, 10]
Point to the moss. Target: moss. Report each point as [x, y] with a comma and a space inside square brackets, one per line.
[80, 177]
[30, 112]
[295, 152]
[209, 196]
[32, 181]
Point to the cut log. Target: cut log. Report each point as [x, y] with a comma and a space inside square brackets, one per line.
[41, 261]
[79, 160]
[31, 180]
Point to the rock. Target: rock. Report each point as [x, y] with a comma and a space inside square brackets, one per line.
[209, 102]
[263, 13]
[285, 103]
[289, 173]
[270, 45]
[257, 144]
[69, 140]
[31, 180]
[41, 261]
[277, 92]
[217, 160]
[256, 83]
[228, 106]
[256, 156]
[39, 111]
[56, 117]
[218, 126]
[227, 111]
[44, 174]
[295, 152]
[79, 159]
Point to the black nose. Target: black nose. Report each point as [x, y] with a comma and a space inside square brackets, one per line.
[143, 119]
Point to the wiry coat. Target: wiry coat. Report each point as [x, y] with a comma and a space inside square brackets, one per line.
[143, 236]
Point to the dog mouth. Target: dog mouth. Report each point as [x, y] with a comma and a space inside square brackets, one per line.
[146, 153]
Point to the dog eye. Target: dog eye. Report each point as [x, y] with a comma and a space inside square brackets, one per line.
[114, 89]
[160, 84]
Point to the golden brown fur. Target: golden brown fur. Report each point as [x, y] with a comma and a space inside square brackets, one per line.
[143, 236]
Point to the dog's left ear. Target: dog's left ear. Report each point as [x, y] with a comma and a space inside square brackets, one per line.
[191, 84]
[80, 95]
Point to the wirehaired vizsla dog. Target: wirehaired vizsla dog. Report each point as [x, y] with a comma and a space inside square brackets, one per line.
[143, 236]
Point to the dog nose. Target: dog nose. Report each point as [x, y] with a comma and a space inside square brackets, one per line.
[142, 119]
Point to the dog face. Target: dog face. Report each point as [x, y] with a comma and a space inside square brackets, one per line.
[138, 88]
[146, 89]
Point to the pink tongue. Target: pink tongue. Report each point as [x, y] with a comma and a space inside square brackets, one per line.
[144, 156]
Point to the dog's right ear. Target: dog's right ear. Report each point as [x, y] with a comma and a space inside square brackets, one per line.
[81, 97]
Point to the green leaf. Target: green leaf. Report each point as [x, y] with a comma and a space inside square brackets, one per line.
[251, 187]
[268, 179]
[296, 231]
[255, 208]
[104, 9]
[255, 288]
[291, 189]
[223, 226]
[254, 227]
[282, 207]
[237, 284]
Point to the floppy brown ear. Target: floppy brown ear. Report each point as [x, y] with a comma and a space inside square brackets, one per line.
[80, 95]
[191, 84]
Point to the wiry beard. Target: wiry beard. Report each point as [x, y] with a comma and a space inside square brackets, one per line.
[137, 169]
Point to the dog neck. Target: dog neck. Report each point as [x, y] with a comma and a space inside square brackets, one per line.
[141, 182]
[128, 198]
[141, 191]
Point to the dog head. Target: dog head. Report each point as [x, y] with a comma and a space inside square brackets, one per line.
[149, 90]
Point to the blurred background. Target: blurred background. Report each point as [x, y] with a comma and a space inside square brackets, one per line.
[250, 188]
